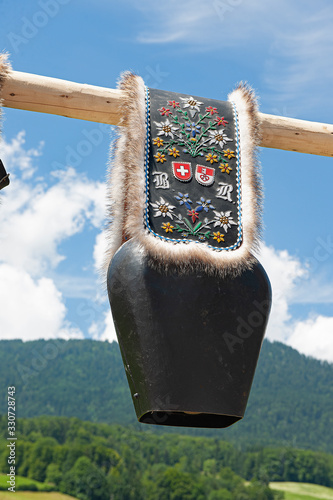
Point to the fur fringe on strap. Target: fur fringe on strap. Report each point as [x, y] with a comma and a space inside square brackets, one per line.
[127, 190]
[126, 165]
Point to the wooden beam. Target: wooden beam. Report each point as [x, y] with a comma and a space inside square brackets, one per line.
[60, 97]
[99, 104]
[291, 134]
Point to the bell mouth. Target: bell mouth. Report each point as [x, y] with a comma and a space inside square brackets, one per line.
[188, 419]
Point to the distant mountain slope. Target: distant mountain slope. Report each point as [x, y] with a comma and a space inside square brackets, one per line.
[291, 401]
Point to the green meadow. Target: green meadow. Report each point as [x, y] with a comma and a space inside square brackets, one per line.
[34, 495]
[303, 491]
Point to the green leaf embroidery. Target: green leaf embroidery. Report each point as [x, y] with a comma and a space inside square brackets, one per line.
[187, 222]
[197, 227]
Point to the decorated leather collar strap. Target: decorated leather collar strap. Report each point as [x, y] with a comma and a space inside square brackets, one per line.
[184, 181]
[193, 181]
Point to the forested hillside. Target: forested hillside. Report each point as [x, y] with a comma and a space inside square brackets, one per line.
[98, 462]
[291, 402]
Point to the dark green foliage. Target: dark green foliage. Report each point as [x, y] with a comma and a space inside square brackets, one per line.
[75, 378]
[85, 481]
[53, 475]
[40, 456]
[291, 401]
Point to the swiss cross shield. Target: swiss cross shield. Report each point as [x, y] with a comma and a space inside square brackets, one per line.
[182, 171]
[205, 175]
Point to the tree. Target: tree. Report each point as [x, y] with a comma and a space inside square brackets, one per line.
[53, 475]
[173, 484]
[85, 481]
[41, 456]
[221, 494]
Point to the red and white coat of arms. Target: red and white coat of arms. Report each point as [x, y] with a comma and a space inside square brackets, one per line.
[205, 175]
[182, 171]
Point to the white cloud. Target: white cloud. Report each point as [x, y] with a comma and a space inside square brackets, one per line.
[36, 218]
[100, 250]
[14, 156]
[293, 283]
[31, 308]
[314, 337]
[283, 271]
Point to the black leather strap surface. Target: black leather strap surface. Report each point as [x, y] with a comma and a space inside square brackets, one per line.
[193, 179]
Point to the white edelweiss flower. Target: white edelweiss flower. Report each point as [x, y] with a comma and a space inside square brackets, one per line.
[218, 137]
[166, 128]
[163, 208]
[193, 104]
[223, 219]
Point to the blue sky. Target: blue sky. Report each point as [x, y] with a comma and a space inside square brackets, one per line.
[53, 213]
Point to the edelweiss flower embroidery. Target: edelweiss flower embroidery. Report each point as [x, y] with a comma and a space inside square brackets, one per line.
[218, 137]
[193, 104]
[166, 128]
[163, 208]
[224, 220]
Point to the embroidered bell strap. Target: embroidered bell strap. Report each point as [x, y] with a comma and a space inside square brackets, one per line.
[193, 178]
[184, 182]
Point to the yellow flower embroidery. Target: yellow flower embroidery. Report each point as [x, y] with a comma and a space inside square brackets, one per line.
[173, 152]
[218, 236]
[158, 142]
[224, 167]
[168, 228]
[211, 158]
[160, 157]
[229, 154]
